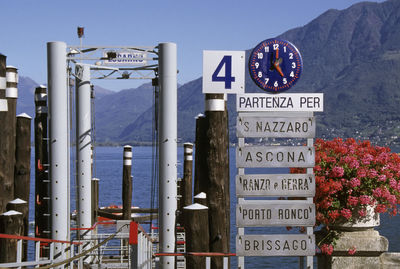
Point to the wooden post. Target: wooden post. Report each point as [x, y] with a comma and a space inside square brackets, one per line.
[217, 176]
[21, 206]
[95, 199]
[200, 158]
[7, 134]
[187, 174]
[42, 183]
[127, 183]
[196, 226]
[22, 157]
[11, 222]
[200, 198]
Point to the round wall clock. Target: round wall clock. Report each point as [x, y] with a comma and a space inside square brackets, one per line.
[275, 65]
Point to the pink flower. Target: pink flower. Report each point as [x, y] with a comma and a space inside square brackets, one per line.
[382, 178]
[337, 171]
[365, 199]
[372, 173]
[362, 212]
[346, 213]
[380, 208]
[352, 201]
[377, 192]
[352, 251]
[393, 183]
[327, 249]
[354, 182]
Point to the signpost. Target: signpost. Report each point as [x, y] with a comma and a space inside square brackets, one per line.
[276, 116]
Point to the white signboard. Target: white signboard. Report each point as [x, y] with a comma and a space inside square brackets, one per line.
[275, 213]
[256, 126]
[223, 71]
[274, 185]
[256, 102]
[127, 58]
[275, 245]
[275, 156]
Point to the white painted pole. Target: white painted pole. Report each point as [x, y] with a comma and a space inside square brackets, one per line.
[167, 140]
[83, 147]
[58, 144]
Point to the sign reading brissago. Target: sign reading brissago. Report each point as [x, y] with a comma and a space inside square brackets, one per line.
[255, 102]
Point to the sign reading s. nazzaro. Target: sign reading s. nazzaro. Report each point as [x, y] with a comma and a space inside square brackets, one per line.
[256, 102]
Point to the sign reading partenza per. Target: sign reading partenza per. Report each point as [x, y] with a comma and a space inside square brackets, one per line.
[255, 102]
[223, 71]
[273, 185]
[275, 213]
[275, 245]
[275, 156]
[255, 126]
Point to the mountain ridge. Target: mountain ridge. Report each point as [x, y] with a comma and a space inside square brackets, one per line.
[351, 55]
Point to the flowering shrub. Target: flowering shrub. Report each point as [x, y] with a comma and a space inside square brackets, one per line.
[351, 175]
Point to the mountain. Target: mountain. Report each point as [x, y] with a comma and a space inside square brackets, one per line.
[352, 56]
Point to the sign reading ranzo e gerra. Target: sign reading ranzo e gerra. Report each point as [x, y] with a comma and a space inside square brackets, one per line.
[273, 185]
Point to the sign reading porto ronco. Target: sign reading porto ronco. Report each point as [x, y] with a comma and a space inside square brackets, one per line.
[275, 65]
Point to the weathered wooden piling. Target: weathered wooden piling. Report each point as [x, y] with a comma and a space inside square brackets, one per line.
[127, 183]
[11, 222]
[200, 198]
[21, 206]
[3, 83]
[8, 78]
[196, 226]
[95, 199]
[22, 157]
[42, 182]
[216, 180]
[186, 184]
[200, 159]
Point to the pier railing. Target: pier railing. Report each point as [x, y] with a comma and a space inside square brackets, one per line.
[129, 247]
[66, 248]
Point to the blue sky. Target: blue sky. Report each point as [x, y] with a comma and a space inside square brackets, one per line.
[194, 25]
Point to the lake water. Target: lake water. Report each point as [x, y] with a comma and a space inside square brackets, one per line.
[108, 166]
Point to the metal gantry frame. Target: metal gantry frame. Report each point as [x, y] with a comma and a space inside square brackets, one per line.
[108, 62]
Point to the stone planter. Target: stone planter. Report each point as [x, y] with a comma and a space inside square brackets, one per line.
[359, 235]
[371, 220]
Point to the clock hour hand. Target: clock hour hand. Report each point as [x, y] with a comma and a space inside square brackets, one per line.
[278, 68]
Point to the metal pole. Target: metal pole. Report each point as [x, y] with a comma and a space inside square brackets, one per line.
[58, 144]
[83, 147]
[168, 151]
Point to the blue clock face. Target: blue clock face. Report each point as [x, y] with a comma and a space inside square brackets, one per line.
[275, 65]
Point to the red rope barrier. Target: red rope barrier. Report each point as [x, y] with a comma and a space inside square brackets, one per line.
[209, 254]
[20, 237]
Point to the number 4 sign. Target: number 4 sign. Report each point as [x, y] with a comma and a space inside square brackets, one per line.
[223, 71]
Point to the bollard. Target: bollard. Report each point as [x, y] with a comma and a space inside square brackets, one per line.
[127, 183]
